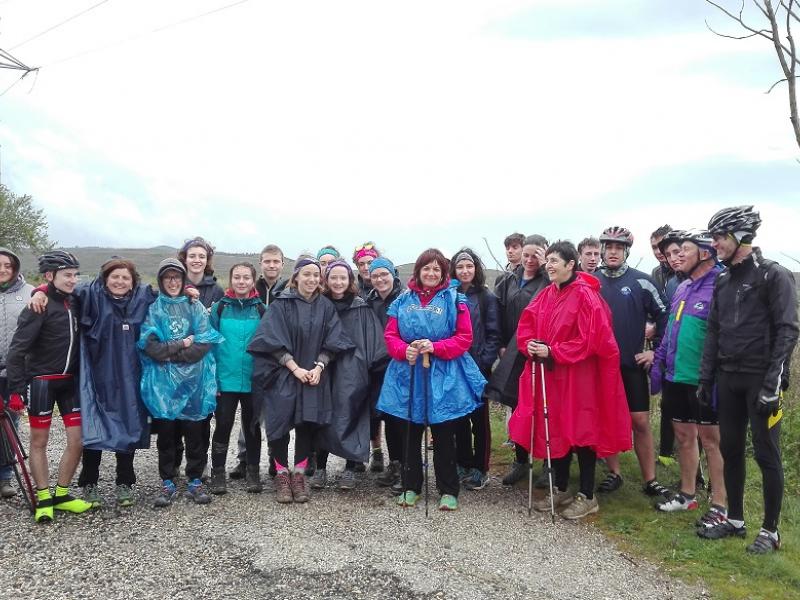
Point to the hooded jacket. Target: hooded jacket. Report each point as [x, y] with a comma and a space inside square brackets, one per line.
[12, 300]
[237, 320]
[268, 294]
[484, 313]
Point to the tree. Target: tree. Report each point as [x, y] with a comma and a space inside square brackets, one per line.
[776, 20]
[21, 224]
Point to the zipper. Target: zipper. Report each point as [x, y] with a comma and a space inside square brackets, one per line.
[71, 341]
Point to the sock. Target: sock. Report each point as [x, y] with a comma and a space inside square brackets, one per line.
[43, 494]
[720, 509]
[589, 495]
[61, 491]
[301, 465]
[687, 497]
[279, 467]
[773, 535]
[736, 523]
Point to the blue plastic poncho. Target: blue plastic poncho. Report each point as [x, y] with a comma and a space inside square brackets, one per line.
[454, 386]
[179, 390]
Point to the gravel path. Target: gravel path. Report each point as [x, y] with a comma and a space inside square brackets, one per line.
[340, 545]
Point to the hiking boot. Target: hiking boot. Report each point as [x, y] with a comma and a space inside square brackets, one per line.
[611, 483]
[408, 499]
[319, 480]
[390, 475]
[299, 488]
[219, 484]
[6, 491]
[44, 510]
[69, 503]
[765, 542]
[283, 487]
[92, 495]
[124, 496]
[311, 465]
[517, 473]
[580, 507]
[196, 492]
[347, 480]
[239, 471]
[653, 488]
[167, 494]
[360, 467]
[714, 515]
[448, 502]
[254, 479]
[476, 480]
[542, 482]
[376, 463]
[677, 503]
[559, 499]
[720, 530]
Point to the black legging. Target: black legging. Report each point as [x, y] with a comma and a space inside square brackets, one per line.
[192, 434]
[90, 468]
[587, 460]
[303, 444]
[474, 439]
[737, 394]
[444, 457]
[225, 415]
[393, 430]
[667, 437]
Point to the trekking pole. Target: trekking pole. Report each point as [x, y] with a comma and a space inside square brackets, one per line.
[426, 364]
[404, 478]
[530, 450]
[547, 445]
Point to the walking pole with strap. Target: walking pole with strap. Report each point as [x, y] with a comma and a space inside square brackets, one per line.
[426, 365]
[530, 450]
[411, 365]
[547, 445]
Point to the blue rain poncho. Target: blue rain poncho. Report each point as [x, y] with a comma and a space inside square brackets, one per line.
[175, 388]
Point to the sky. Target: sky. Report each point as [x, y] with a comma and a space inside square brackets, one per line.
[413, 124]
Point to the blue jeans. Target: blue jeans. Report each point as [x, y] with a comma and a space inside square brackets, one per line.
[6, 472]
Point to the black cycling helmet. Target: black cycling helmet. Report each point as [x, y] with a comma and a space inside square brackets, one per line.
[615, 233]
[740, 221]
[674, 236]
[57, 260]
[702, 238]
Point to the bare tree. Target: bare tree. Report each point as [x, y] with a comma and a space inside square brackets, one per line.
[776, 20]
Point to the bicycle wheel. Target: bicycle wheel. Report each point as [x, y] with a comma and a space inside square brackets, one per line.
[19, 465]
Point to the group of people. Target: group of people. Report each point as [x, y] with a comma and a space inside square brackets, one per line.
[342, 354]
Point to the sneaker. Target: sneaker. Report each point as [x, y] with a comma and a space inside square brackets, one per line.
[476, 480]
[167, 495]
[376, 464]
[195, 492]
[397, 487]
[666, 461]
[560, 499]
[611, 483]
[283, 488]
[319, 480]
[44, 510]
[714, 515]
[408, 498]
[124, 496]
[240, 471]
[390, 475]
[721, 530]
[300, 491]
[580, 507]
[311, 465]
[219, 484]
[653, 488]
[517, 473]
[347, 480]
[765, 542]
[92, 495]
[6, 491]
[253, 479]
[508, 443]
[462, 472]
[448, 502]
[677, 503]
[69, 503]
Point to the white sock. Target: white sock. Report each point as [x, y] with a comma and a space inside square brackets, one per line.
[735, 523]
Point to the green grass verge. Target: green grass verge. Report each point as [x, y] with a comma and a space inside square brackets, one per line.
[723, 566]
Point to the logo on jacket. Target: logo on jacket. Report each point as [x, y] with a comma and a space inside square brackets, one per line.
[699, 305]
[437, 310]
[625, 291]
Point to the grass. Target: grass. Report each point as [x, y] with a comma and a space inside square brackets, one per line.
[723, 566]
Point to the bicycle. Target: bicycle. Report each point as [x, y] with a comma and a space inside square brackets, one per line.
[13, 454]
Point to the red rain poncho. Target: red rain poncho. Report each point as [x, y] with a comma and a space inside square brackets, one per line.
[585, 396]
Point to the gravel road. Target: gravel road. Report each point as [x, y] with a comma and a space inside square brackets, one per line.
[353, 544]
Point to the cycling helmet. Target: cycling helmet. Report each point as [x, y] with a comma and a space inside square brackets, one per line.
[740, 221]
[57, 260]
[674, 236]
[700, 237]
[615, 233]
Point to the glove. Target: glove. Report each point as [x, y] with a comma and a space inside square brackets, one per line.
[769, 403]
[16, 403]
[703, 395]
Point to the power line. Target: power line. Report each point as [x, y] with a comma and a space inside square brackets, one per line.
[144, 34]
[57, 25]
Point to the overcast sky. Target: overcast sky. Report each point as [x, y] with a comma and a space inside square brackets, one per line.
[413, 124]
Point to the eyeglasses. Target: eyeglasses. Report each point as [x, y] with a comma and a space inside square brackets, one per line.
[172, 278]
[367, 246]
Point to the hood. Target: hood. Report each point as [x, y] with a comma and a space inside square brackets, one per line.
[170, 264]
[587, 279]
[14, 259]
[229, 293]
